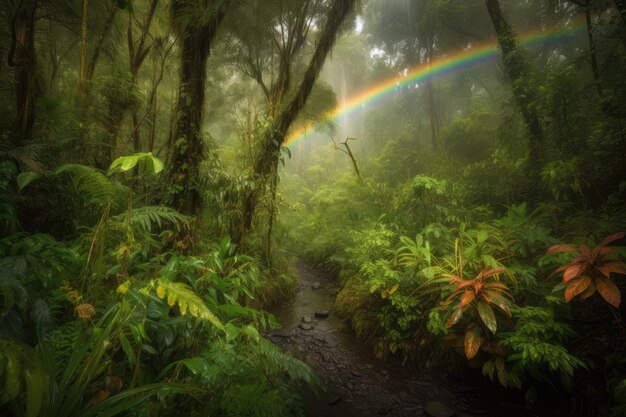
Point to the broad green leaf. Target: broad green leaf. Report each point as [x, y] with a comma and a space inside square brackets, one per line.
[35, 384]
[12, 377]
[487, 316]
[125, 163]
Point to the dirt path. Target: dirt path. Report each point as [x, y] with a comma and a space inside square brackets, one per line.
[357, 383]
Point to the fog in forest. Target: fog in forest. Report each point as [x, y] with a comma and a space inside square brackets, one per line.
[312, 208]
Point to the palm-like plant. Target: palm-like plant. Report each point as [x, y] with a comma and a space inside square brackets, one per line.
[591, 271]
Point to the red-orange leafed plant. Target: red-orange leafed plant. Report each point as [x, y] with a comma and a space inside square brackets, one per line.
[480, 294]
[591, 270]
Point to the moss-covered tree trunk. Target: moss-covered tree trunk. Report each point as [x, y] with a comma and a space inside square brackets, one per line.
[188, 149]
[22, 56]
[518, 69]
[267, 164]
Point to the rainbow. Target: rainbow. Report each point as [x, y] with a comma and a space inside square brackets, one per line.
[440, 67]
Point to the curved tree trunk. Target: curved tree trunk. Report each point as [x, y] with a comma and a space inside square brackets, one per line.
[273, 141]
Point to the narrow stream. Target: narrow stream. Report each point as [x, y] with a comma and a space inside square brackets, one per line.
[359, 385]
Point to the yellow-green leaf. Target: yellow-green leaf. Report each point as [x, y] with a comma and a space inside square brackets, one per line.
[12, 377]
[394, 289]
[182, 304]
[123, 289]
[171, 299]
[160, 291]
[187, 300]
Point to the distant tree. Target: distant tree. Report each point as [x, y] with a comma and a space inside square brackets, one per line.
[138, 50]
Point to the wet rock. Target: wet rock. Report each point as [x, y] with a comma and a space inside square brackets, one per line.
[437, 409]
[320, 337]
[305, 326]
[316, 285]
[322, 314]
[385, 409]
[334, 400]
[279, 335]
[306, 319]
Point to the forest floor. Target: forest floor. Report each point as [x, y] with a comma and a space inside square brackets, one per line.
[356, 383]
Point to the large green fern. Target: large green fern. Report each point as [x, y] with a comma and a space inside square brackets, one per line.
[148, 218]
[93, 186]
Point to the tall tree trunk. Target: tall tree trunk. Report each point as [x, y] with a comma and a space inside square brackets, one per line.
[434, 120]
[188, 148]
[152, 98]
[137, 53]
[526, 97]
[432, 107]
[87, 68]
[22, 56]
[82, 65]
[274, 139]
[97, 47]
[592, 49]
[86, 72]
[621, 7]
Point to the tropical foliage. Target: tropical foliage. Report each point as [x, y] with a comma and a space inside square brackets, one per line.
[163, 163]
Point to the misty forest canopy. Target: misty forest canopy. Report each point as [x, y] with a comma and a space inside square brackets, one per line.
[457, 167]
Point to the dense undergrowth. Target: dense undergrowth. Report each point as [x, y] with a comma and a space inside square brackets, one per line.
[454, 260]
[121, 315]
[155, 190]
[478, 286]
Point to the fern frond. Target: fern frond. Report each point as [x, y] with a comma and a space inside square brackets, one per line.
[187, 299]
[29, 156]
[150, 217]
[93, 185]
